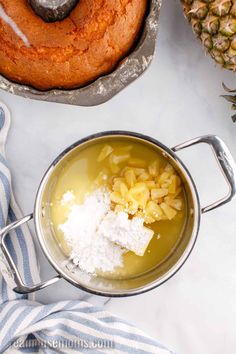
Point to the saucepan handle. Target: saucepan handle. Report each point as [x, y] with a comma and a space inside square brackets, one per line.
[225, 161]
[9, 268]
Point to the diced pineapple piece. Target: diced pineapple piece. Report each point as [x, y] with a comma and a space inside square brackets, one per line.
[143, 199]
[168, 210]
[169, 168]
[130, 177]
[175, 203]
[116, 186]
[114, 168]
[117, 159]
[154, 211]
[144, 176]
[117, 198]
[173, 184]
[138, 171]
[178, 191]
[105, 152]
[102, 177]
[165, 184]
[133, 207]
[158, 193]
[131, 196]
[117, 179]
[123, 189]
[150, 184]
[134, 162]
[153, 168]
[140, 193]
[148, 219]
[138, 188]
[163, 177]
[123, 149]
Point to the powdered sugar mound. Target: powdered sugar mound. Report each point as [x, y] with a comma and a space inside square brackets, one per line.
[90, 250]
[99, 237]
[130, 234]
[101, 255]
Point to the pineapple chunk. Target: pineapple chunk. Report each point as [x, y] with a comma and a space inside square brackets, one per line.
[133, 207]
[178, 191]
[102, 177]
[123, 189]
[140, 193]
[168, 210]
[163, 177]
[148, 219]
[117, 179]
[123, 149]
[114, 168]
[138, 188]
[144, 176]
[117, 159]
[173, 184]
[138, 171]
[158, 193]
[150, 184]
[117, 198]
[137, 162]
[143, 199]
[154, 211]
[174, 203]
[153, 168]
[105, 152]
[169, 168]
[130, 177]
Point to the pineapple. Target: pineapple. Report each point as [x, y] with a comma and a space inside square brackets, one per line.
[214, 22]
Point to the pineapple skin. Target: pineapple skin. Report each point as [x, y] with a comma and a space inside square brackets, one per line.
[214, 22]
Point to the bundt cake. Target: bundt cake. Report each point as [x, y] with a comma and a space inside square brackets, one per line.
[88, 43]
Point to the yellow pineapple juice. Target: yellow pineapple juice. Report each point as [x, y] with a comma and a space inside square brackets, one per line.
[106, 164]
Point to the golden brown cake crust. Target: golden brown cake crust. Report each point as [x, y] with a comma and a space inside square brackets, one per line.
[69, 53]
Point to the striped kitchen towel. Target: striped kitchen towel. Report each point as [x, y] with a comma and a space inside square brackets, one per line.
[27, 326]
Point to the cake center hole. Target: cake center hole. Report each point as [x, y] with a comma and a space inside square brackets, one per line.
[53, 10]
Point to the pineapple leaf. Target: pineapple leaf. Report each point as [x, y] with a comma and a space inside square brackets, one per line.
[231, 99]
[234, 118]
[227, 89]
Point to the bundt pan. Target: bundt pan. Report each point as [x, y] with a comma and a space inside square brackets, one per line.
[105, 87]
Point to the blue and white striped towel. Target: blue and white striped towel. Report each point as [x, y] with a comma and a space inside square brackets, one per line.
[27, 326]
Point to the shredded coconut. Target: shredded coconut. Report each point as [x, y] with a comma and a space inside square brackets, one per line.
[98, 237]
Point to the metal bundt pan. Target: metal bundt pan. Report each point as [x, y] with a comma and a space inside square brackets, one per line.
[104, 88]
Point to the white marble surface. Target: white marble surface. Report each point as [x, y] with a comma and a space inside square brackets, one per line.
[176, 99]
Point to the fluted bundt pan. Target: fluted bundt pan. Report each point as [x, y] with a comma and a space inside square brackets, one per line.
[105, 87]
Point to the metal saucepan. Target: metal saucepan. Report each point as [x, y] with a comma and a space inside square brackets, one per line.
[125, 287]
